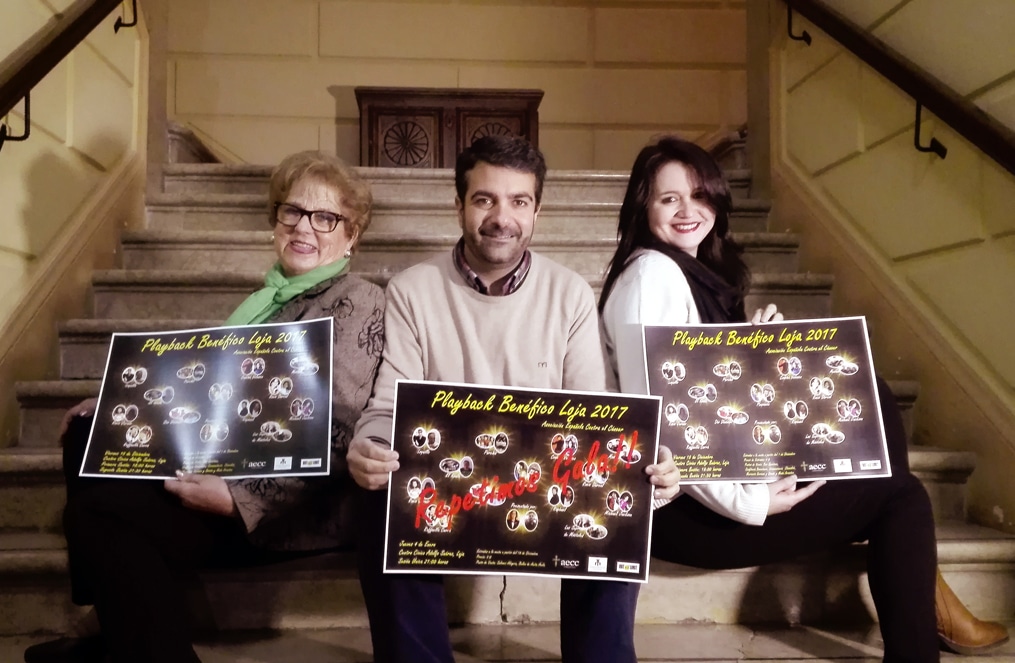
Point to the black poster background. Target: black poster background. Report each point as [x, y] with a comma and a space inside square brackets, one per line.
[259, 403]
[547, 538]
[752, 419]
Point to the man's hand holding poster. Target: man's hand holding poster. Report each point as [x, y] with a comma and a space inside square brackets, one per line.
[757, 402]
[496, 480]
[232, 401]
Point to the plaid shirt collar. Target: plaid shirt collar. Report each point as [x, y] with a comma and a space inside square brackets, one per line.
[509, 283]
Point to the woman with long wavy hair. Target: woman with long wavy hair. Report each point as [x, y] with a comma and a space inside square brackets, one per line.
[676, 264]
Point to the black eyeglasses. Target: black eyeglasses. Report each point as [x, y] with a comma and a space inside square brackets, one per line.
[320, 220]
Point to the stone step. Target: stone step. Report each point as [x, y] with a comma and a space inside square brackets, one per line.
[798, 296]
[413, 184]
[323, 592]
[392, 252]
[690, 642]
[84, 343]
[43, 405]
[169, 294]
[944, 474]
[250, 212]
[32, 487]
[32, 491]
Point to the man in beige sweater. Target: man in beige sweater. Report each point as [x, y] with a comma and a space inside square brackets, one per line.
[489, 312]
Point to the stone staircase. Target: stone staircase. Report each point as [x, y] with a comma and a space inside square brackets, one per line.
[207, 245]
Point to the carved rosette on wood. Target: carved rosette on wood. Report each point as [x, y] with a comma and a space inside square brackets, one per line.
[492, 129]
[407, 143]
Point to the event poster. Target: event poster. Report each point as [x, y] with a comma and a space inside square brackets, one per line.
[232, 401]
[758, 402]
[496, 480]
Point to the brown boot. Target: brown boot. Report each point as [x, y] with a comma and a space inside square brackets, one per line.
[959, 630]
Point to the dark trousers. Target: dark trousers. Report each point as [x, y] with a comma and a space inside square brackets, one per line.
[408, 614]
[892, 514]
[129, 544]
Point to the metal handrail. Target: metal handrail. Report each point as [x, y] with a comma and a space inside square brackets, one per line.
[40, 53]
[985, 132]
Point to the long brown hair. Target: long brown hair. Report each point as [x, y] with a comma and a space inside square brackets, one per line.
[717, 250]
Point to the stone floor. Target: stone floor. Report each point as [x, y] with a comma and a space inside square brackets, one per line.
[538, 643]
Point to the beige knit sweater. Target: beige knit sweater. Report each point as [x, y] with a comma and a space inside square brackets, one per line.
[437, 327]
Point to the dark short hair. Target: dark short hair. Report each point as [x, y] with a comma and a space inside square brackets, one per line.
[512, 152]
[330, 171]
[717, 250]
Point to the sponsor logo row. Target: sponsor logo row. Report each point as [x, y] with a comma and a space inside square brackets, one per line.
[597, 565]
[282, 463]
[840, 465]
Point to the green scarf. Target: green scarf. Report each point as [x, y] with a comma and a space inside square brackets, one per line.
[278, 289]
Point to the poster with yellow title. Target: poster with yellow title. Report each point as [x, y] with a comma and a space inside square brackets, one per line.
[758, 402]
[249, 401]
[496, 480]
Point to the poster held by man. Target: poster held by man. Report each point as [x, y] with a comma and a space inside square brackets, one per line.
[498, 480]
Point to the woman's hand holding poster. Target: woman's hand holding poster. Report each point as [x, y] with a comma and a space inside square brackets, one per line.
[231, 401]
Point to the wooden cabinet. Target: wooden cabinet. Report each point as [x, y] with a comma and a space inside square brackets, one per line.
[428, 127]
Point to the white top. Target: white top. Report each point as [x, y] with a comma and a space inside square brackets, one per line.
[654, 291]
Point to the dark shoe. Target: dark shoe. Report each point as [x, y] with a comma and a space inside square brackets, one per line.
[959, 630]
[90, 649]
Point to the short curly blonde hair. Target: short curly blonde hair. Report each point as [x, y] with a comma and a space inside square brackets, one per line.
[330, 171]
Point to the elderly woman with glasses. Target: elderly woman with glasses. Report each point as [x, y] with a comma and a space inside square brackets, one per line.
[130, 541]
